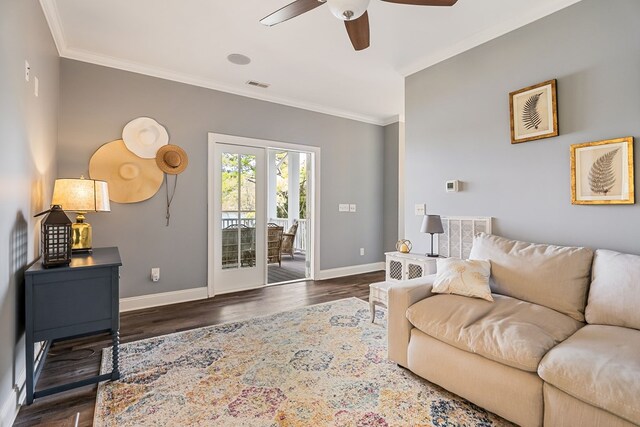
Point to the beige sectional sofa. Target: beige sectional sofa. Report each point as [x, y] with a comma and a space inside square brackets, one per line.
[559, 346]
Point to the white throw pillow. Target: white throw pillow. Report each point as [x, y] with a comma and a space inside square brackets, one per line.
[469, 278]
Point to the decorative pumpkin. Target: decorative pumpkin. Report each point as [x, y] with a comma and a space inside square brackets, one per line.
[404, 246]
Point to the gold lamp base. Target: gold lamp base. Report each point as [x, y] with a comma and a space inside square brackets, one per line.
[81, 239]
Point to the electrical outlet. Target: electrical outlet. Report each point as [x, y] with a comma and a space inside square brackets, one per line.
[352, 207]
[27, 71]
[361, 251]
[155, 274]
[343, 207]
[420, 209]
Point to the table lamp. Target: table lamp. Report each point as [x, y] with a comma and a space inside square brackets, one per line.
[81, 196]
[431, 224]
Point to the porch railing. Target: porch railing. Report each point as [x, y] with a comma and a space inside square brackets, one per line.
[303, 236]
[249, 222]
[301, 243]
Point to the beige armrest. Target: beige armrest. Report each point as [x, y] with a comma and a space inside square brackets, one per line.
[402, 296]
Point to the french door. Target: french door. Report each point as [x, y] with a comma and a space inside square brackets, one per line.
[239, 217]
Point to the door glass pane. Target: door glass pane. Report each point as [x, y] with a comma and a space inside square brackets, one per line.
[238, 206]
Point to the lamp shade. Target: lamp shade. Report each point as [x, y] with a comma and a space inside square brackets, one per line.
[431, 224]
[81, 195]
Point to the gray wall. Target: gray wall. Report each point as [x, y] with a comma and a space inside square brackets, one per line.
[97, 102]
[28, 127]
[457, 127]
[390, 191]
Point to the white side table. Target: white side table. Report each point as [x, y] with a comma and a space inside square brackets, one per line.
[378, 295]
[402, 266]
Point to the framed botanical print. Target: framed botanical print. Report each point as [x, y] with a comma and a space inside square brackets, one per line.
[602, 172]
[534, 112]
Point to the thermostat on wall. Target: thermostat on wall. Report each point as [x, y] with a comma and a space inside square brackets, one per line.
[452, 186]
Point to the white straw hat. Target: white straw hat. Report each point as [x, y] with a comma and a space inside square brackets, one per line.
[144, 136]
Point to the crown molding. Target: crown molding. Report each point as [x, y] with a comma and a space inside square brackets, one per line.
[55, 24]
[391, 120]
[52, 15]
[485, 36]
[111, 62]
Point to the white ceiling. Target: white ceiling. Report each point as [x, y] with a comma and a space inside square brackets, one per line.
[308, 61]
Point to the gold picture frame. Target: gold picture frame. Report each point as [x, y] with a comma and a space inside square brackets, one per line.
[602, 172]
[534, 112]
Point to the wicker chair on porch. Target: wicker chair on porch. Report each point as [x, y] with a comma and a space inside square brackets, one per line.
[274, 242]
[289, 238]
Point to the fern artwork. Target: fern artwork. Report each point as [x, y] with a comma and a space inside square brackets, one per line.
[602, 172]
[534, 112]
[530, 115]
[602, 175]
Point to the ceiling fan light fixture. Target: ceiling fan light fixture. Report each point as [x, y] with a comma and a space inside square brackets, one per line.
[348, 10]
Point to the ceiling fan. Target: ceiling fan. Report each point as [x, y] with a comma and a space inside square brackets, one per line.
[352, 12]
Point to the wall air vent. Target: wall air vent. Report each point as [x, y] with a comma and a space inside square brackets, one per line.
[258, 84]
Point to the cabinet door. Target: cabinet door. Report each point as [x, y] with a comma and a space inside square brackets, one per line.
[395, 269]
[414, 269]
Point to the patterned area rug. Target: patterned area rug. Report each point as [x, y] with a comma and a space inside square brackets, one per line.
[323, 365]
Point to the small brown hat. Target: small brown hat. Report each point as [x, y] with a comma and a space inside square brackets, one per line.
[172, 159]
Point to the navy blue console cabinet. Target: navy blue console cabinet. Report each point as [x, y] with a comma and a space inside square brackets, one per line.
[69, 302]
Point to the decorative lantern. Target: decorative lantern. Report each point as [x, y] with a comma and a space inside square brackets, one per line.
[404, 246]
[56, 238]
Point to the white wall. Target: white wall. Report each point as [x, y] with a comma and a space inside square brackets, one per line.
[28, 133]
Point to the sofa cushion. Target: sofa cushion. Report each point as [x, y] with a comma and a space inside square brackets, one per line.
[513, 332]
[553, 276]
[599, 365]
[614, 296]
[466, 277]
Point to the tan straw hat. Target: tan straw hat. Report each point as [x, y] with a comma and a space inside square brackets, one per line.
[131, 179]
[172, 159]
[144, 136]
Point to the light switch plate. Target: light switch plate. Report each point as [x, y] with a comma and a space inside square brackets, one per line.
[421, 209]
[352, 207]
[343, 207]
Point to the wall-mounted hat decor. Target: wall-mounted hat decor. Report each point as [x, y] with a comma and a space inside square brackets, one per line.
[172, 160]
[131, 178]
[144, 136]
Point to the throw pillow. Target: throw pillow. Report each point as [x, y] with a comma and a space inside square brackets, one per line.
[464, 277]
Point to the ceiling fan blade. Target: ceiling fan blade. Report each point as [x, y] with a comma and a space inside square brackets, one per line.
[358, 31]
[291, 10]
[425, 2]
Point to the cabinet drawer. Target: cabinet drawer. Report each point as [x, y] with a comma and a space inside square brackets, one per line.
[76, 301]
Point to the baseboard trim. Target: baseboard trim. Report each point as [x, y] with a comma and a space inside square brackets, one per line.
[11, 405]
[164, 298]
[351, 270]
[194, 294]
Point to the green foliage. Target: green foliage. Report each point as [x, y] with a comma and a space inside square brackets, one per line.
[238, 170]
[282, 183]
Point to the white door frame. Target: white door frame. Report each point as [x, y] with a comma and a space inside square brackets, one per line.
[214, 138]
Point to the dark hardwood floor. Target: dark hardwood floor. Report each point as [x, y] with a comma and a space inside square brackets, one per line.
[60, 410]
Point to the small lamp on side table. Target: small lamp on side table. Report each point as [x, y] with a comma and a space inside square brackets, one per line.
[432, 224]
[82, 196]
